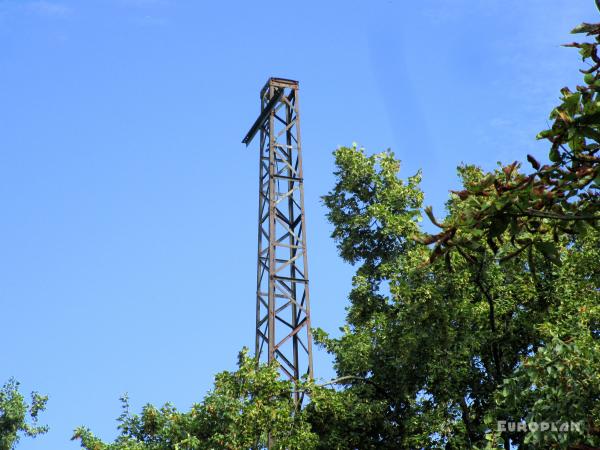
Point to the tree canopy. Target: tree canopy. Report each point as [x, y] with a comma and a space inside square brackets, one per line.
[555, 199]
[244, 410]
[17, 416]
[446, 349]
[497, 317]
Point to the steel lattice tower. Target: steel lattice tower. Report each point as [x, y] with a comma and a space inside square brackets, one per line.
[282, 295]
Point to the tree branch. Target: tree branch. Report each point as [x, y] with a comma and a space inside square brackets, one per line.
[492, 320]
[551, 215]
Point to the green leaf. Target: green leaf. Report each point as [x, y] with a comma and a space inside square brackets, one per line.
[545, 134]
[554, 154]
[586, 50]
[585, 28]
[549, 250]
[498, 226]
[576, 143]
[571, 102]
[589, 132]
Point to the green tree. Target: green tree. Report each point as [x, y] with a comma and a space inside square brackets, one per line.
[558, 198]
[499, 319]
[432, 345]
[561, 381]
[17, 417]
[244, 408]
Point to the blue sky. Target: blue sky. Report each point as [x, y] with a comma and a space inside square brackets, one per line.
[128, 225]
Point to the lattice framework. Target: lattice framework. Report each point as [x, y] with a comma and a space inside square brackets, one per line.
[282, 294]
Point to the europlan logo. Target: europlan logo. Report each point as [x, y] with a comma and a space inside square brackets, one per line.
[561, 427]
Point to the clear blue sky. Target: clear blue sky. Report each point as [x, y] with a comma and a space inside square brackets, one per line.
[128, 204]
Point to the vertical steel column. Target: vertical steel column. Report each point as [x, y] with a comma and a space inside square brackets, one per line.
[282, 292]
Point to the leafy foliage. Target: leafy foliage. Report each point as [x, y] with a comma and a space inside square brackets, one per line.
[561, 197]
[17, 417]
[429, 349]
[244, 409]
[561, 381]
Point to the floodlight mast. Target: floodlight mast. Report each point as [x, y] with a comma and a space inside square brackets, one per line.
[283, 331]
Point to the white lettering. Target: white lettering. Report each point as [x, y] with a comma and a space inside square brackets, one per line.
[576, 426]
